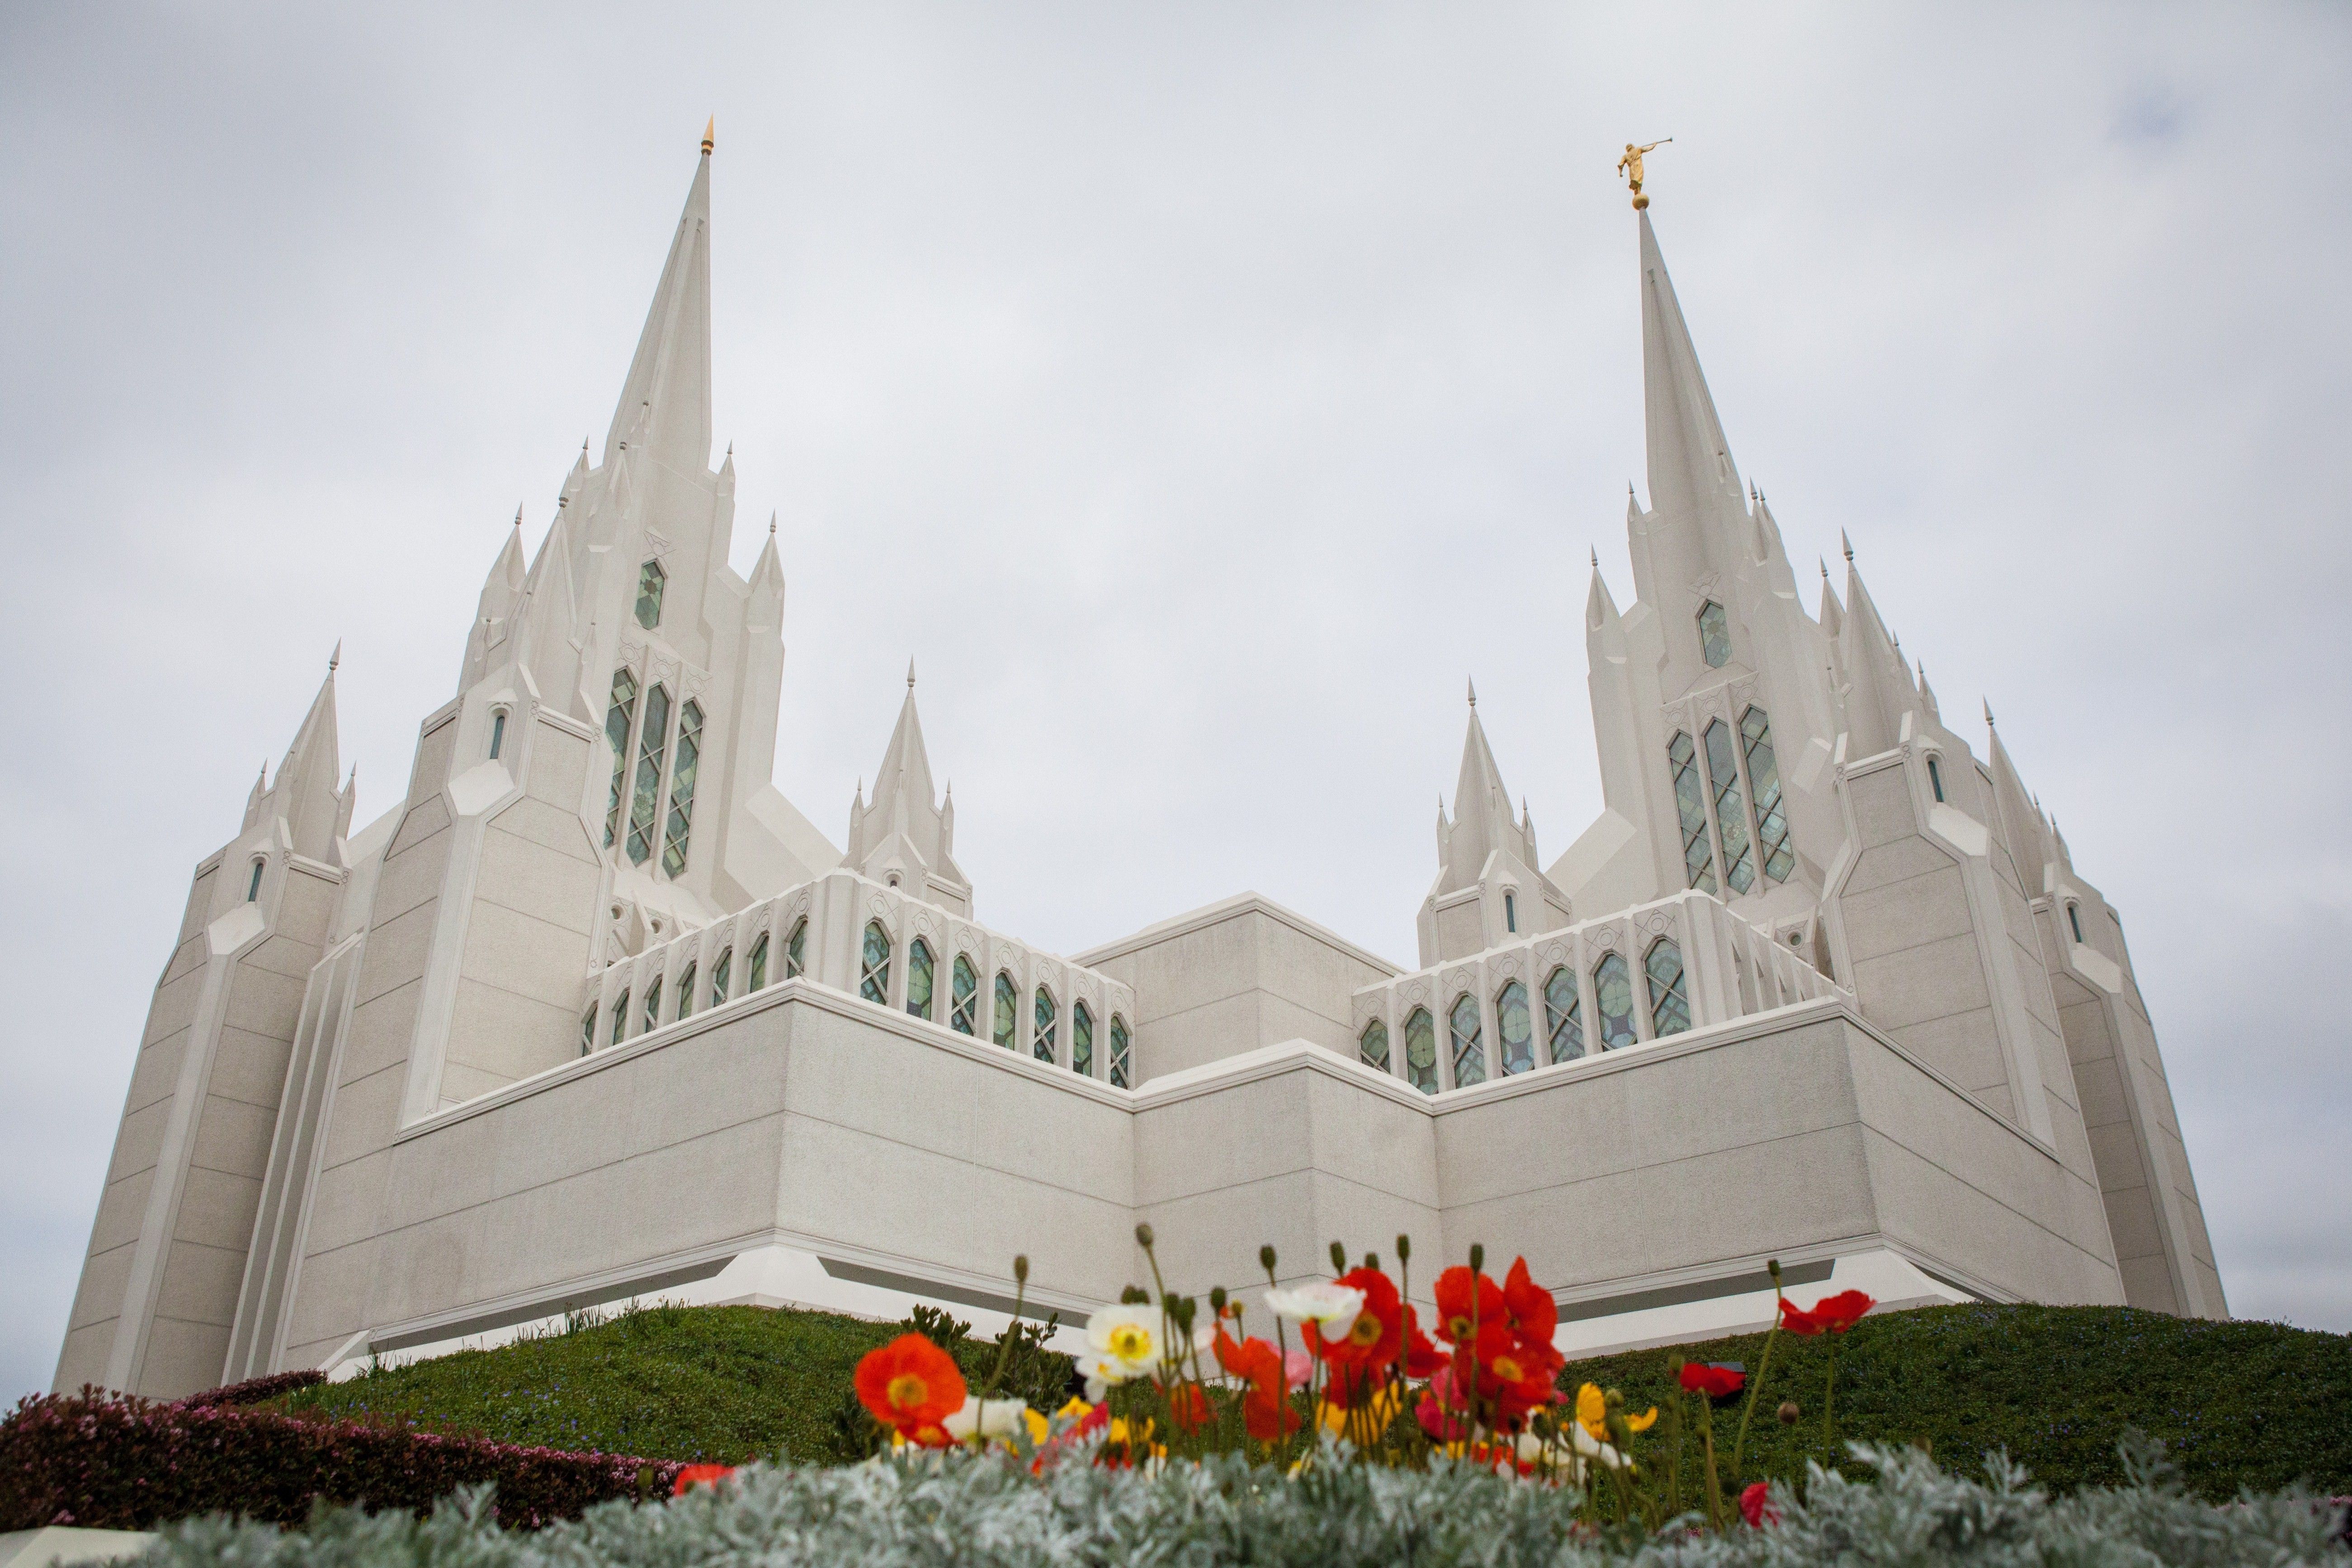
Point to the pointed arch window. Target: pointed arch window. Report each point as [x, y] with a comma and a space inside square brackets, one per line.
[1006, 1020]
[963, 997]
[253, 884]
[922, 977]
[1122, 1069]
[651, 581]
[796, 950]
[1041, 1043]
[1468, 1041]
[1714, 635]
[756, 977]
[1730, 814]
[1669, 1002]
[497, 731]
[620, 1018]
[719, 978]
[1690, 805]
[874, 964]
[1764, 781]
[1082, 1040]
[2075, 923]
[685, 992]
[1563, 1016]
[1510, 913]
[681, 788]
[588, 1030]
[618, 719]
[652, 1006]
[1613, 998]
[645, 801]
[1515, 1029]
[1421, 1051]
[1373, 1045]
[1936, 780]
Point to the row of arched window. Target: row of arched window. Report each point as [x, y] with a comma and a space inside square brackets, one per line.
[1564, 1032]
[874, 961]
[664, 756]
[1718, 825]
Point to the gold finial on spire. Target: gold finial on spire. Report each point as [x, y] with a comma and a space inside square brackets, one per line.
[710, 137]
[1630, 165]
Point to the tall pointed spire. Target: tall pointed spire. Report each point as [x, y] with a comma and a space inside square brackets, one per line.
[307, 792]
[1690, 460]
[669, 387]
[904, 836]
[1482, 812]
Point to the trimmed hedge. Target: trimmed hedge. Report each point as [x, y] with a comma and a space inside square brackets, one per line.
[105, 1461]
[254, 1389]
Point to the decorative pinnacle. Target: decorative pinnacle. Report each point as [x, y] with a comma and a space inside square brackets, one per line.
[1596, 557]
[910, 675]
[1845, 539]
[709, 135]
[1988, 708]
[518, 522]
[1473, 694]
[335, 658]
[1825, 568]
[771, 525]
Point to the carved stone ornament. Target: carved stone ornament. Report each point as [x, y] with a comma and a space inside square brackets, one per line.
[1657, 922]
[1416, 991]
[656, 546]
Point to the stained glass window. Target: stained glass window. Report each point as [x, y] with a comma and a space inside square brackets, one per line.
[1613, 998]
[653, 1004]
[719, 977]
[1764, 778]
[620, 1017]
[498, 732]
[1690, 804]
[588, 1031]
[653, 745]
[2074, 921]
[874, 964]
[617, 719]
[757, 976]
[1041, 1043]
[681, 788]
[685, 992]
[1421, 1051]
[1373, 1045]
[253, 887]
[1516, 1028]
[1121, 1068]
[1007, 1011]
[1669, 1004]
[1730, 815]
[920, 978]
[963, 1000]
[651, 579]
[1510, 913]
[1935, 779]
[796, 950]
[1563, 1016]
[1469, 1048]
[1714, 636]
[1082, 1040]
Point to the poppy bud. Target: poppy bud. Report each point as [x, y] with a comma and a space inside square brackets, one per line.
[1404, 1249]
[1134, 1295]
[1143, 1237]
[1265, 1259]
[1021, 1268]
[1371, 1261]
[1789, 1413]
[1772, 1267]
[1217, 1299]
[1477, 1257]
[1339, 1258]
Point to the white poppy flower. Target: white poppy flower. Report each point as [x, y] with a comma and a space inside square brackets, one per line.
[1330, 1306]
[992, 1418]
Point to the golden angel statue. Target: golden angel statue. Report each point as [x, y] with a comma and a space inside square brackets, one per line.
[1630, 165]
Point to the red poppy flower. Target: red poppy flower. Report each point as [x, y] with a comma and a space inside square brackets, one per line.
[1835, 1313]
[1533, 1314]
[1421, 1358]
[701, 1476]
[1265, 1406]
[1460, 1302]
[1376, 1337]
[1188, 1406]
[911, 1385]
[1756, 1505]
[1715, 1382]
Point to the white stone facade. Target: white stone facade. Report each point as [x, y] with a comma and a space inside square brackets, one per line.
[594, 1014]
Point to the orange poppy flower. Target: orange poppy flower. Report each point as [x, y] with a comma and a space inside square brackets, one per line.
[694, 1475]
[1266, 1407]
[1376, 1337]
[910, 1385]
[1461, 1302]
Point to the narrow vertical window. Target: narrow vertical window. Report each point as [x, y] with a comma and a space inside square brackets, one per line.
[651, 579]
[1669, 1003]
[498, 732]
[652, 1006]
[1082, 1040]
[963, 1001]
[686, 994]
[874, 964]
[756, 976]
[796, 950]
[253, 887]
[681, 788]
[1122, 1069]
[1373, 1045]
[653, 745]
[617, 719]
[1714, 636]
[1510, 913]
[1936, 780]
[1041, 1043]
[1613, 998]
[1764, 778]
[1007, 1016]
[1421, 1051]
[2075, 922]
[1563, 1016]
[620, 1017]
[1690, 804]
[588, 1030]
[719, 978]
[921, 979]
[1515, 1027]
[1468, 1040]
[1731, 813]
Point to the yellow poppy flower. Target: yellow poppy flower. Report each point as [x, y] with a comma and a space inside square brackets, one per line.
[1592, 1412]
[1642, 1422]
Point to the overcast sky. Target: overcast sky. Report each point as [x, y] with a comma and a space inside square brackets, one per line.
[1198, 393]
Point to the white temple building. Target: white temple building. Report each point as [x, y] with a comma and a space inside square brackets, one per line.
[594, 1014]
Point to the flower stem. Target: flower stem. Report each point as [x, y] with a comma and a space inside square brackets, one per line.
[1755, 1388]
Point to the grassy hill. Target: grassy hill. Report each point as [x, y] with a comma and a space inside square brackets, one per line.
[2256, 1405]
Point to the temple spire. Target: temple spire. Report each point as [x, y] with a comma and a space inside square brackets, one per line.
[669, 387]
[1689, 460]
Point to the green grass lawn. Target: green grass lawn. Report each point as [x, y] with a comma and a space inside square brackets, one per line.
[2256, 1405]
